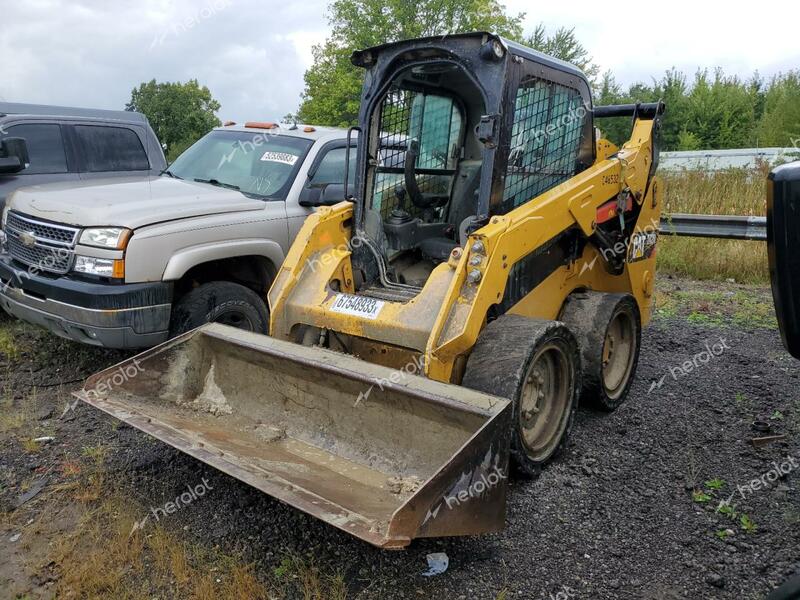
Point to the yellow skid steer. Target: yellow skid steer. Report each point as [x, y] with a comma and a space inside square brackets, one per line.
[439, 316]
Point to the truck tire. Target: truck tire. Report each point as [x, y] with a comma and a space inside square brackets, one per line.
[220, 302]
[536, 364]
[609, 332]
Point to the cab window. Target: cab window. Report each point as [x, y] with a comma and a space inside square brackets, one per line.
[331, 168]
[45, 147]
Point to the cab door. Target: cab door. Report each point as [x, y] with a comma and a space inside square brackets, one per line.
[51, 160]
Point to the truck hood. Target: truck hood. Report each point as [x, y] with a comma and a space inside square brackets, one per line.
[128, 202]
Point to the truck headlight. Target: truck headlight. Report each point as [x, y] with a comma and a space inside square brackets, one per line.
[104, 267]
[6, 208]
[106, 237]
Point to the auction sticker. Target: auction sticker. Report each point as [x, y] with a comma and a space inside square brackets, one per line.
[359, 306]
[280, 157]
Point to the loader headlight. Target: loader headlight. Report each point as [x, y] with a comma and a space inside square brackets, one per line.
[493, 50]
[104, 267]
[115, 238]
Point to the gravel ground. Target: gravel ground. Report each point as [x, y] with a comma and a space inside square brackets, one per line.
[629, 510]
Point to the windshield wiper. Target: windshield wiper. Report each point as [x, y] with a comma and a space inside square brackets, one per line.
[170, 173]
[218, 183]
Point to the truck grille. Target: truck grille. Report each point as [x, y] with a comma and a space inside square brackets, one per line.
[45, 246]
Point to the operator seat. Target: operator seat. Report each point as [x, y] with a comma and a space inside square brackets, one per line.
[463, 206]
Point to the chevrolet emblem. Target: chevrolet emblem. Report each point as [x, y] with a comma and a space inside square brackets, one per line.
[27, 239]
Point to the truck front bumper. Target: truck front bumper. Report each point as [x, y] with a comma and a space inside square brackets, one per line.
[112, 316]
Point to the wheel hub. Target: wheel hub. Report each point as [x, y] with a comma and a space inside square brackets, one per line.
[619, 351]
[545, 401]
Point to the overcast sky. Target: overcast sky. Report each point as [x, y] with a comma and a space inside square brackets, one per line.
[252, 53]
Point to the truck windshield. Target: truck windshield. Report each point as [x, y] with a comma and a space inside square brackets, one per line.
[257, 164]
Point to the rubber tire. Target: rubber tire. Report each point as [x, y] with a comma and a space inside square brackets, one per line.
[498, 365]
[588, 314]
[206, 302]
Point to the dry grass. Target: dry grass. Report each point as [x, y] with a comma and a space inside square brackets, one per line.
[309, 581]
[20, 414]
[731, 192]
[106, 559]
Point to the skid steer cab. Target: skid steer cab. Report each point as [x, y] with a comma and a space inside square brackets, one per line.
[494, 265]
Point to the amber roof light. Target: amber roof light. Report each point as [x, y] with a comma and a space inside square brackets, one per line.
[260, 125]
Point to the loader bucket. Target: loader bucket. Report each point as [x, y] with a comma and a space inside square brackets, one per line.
[387, 458]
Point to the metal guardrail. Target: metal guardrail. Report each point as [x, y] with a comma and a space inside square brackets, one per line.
[715, 226]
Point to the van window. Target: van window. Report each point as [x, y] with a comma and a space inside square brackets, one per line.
[331, 168]
[111, 149]
[45, 147]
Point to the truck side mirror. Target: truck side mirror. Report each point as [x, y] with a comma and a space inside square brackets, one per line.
[13, 155]
[331, 194]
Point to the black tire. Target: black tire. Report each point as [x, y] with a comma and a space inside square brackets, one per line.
[220, 302]
[502, 363]
[590, 316]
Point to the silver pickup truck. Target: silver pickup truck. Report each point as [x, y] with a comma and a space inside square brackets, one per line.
[129, 262]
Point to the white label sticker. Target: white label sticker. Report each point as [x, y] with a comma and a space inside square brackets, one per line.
[280, 157]
[357, 305]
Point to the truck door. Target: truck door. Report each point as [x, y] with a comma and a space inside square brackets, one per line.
[327, 168]
[50, 161]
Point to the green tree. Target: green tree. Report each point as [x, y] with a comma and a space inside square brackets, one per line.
[607, 91]
[779, 124]
[180, 113]
[564, 45]
[333, 85]
[720, 112]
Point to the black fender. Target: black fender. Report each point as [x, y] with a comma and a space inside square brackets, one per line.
[783, 241]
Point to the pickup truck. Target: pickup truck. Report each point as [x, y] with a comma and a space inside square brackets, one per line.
[74, 144]
[130, 262]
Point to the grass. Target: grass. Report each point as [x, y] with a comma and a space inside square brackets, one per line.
[8, 346]
[16, 415]
[745, 309]
[104, 558]
[730, 192]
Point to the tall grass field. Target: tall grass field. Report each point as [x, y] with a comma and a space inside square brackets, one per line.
[729, 192]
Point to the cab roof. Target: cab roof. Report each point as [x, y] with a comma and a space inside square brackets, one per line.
[362, 58]
[42, 110]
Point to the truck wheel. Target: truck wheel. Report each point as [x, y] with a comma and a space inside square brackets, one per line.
[609, 332]
[536, 365]
[220, 302]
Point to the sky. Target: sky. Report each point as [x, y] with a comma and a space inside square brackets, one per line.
[252, 53]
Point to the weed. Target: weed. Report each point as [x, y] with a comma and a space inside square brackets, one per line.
[715, 484]
[727, 510]
[747, 524]
[8, 345]
[15, 415]
[308, 581]
[31, 446]
[701, 496]
[95, 453]
[722, 534]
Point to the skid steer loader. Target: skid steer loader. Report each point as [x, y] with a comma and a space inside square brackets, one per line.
[493, 262]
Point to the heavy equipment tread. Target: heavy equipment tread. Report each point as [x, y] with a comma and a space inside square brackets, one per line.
[588, 315]
[499, 363]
